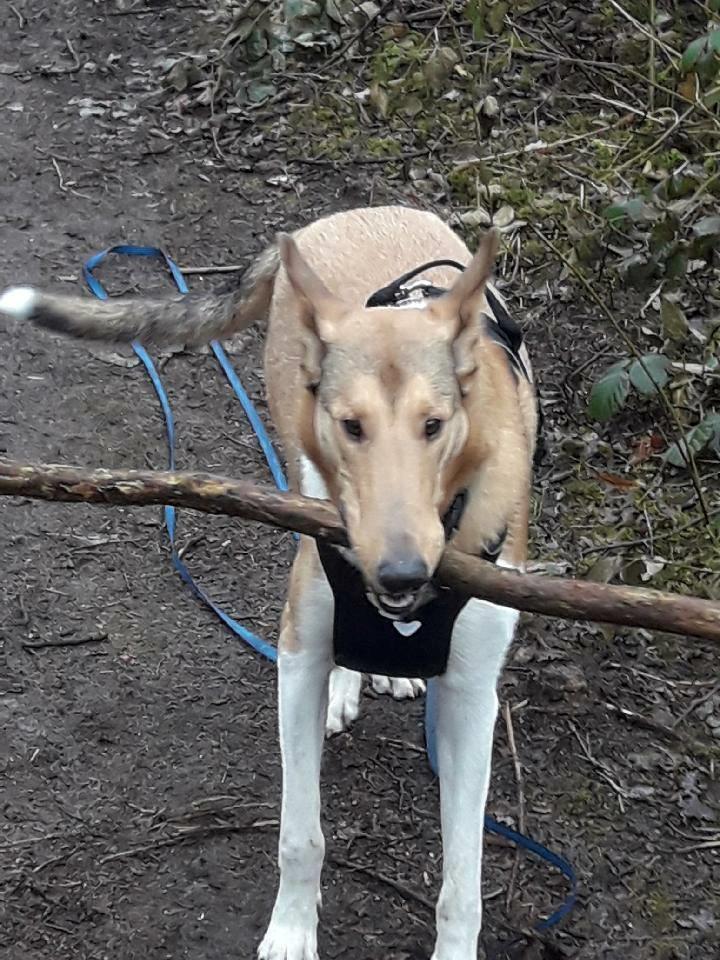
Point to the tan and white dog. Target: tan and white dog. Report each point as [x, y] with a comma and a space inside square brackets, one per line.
[389, 413]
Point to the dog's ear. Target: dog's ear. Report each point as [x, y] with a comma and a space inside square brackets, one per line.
[460, 305]
[318, 306]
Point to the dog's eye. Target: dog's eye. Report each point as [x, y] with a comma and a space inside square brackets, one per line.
[433, 426]
[353, 428]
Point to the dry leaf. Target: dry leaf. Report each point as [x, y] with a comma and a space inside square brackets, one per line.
[617, 481]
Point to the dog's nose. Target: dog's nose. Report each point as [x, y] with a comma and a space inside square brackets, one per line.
[402, 574]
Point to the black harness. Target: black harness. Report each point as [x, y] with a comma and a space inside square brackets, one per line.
[363, 638]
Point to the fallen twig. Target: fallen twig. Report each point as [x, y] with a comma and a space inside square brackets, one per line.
[230, 268]
[63, 71]
[519, 783]
[65, 641]
[668, 733]
[552, 596]
[200, 832]
[406, 892]
[698, 702]
[20, 18]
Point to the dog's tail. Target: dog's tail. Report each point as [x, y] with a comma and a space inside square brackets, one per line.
[186, 320]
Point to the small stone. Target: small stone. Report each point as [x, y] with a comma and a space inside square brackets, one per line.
[504, 216]
[476, 218]
[564, 677]
[488, 107]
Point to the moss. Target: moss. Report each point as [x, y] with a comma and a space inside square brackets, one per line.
[463, 183]
[527, 78]
[604, 153]
[606, 14]
[382, 147]
[394, 57]
[659, 908]
[534, 250]
[669, 160]
[580, 802]
[586, 490]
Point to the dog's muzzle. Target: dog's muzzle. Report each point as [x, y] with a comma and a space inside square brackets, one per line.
[399, 606]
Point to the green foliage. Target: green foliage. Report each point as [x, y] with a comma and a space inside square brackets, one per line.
[647, 374]
[704, 434]
[486, 17]
[409, 73]
[646, 218]
[609, 393]
[663, 242]
[634, 209]
[702, 57]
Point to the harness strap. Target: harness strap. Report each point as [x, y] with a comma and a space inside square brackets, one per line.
[388, 295]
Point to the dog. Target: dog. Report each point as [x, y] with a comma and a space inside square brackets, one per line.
[412, 408]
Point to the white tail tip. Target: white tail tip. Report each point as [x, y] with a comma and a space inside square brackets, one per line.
[18, 302]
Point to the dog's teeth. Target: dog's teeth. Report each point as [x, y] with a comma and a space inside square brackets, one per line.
[396, 601]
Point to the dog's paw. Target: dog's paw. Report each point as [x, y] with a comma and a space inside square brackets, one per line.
[398, 687]
[343, 701]
[288, 942]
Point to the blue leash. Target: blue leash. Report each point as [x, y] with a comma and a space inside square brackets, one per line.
[258, 644]
[170, 514]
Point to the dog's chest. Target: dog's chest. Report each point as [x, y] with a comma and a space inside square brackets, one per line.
[368, 642]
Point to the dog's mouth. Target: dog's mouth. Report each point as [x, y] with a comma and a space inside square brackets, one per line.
[397, 606]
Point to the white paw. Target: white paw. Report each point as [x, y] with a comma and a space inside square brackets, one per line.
[343, 701]
[287, 942]
[398, 687]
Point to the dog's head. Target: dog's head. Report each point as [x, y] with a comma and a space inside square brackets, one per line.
[388, 430]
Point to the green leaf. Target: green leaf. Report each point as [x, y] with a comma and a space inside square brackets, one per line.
[610, 392]
[650, 374]
[692, 54]
[701, 58]
[676, 186]
[635, 209]
[696, 439]
[475, 12]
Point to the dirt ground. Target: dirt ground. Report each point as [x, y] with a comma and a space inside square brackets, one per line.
[139, 770]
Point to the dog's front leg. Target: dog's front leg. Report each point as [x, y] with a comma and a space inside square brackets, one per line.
[466, 712]
[304, 665]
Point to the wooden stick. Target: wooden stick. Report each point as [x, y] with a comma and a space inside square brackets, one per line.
[553, 596]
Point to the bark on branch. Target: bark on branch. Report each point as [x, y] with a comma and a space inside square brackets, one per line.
[553, 596]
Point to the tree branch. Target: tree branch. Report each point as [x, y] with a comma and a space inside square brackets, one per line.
[553, 596]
